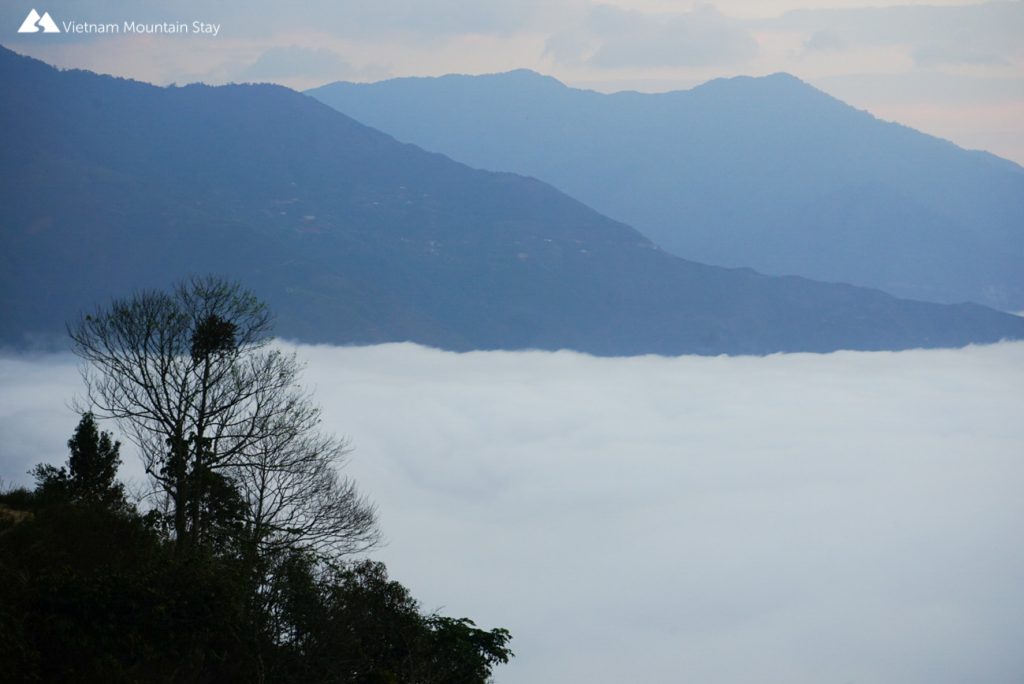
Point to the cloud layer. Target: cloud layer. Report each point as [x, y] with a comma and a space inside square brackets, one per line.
[798, 518]
[611, 38]
[933, 36]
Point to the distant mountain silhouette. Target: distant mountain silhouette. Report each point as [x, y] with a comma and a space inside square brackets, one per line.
[352, 237]
[766, 172]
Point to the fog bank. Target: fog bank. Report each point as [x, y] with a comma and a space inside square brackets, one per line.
[850, 517]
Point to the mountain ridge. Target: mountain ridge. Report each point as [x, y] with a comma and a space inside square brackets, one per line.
[355, 238]
[767, 172]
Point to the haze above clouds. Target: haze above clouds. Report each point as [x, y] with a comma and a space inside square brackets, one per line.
[799, 518]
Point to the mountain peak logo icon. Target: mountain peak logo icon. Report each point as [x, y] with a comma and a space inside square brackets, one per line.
[34, 23]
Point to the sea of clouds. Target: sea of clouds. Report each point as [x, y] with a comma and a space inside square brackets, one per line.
[849, 517]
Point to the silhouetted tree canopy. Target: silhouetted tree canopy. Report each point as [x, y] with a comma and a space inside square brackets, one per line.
[228, 436]
[91, 472]
[245, 573]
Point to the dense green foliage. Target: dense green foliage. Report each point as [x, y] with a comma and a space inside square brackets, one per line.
[92, 590]
[91, 473]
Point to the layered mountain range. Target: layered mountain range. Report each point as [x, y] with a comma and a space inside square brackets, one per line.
[112, 185]
[769, 173]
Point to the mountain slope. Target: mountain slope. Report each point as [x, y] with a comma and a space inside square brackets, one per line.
[761, 172]
[352, 237]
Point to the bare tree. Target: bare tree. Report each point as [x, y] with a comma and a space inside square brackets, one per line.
[294, 495]
[225, 431]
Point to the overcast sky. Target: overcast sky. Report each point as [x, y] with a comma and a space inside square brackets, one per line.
[952, 68]
[808, 519]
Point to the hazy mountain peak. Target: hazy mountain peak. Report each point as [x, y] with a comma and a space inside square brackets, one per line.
[352, 237]
[526, 76]
[768, 172]
[783, 87]
[516, 78]
[776, 78]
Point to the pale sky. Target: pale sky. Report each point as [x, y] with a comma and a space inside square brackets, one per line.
[952, 68]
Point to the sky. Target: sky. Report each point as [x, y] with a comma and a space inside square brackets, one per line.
[799, 518]
[951, 68]
[850, 517]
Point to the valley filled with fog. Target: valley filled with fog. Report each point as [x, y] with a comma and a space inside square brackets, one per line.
[845, 517]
